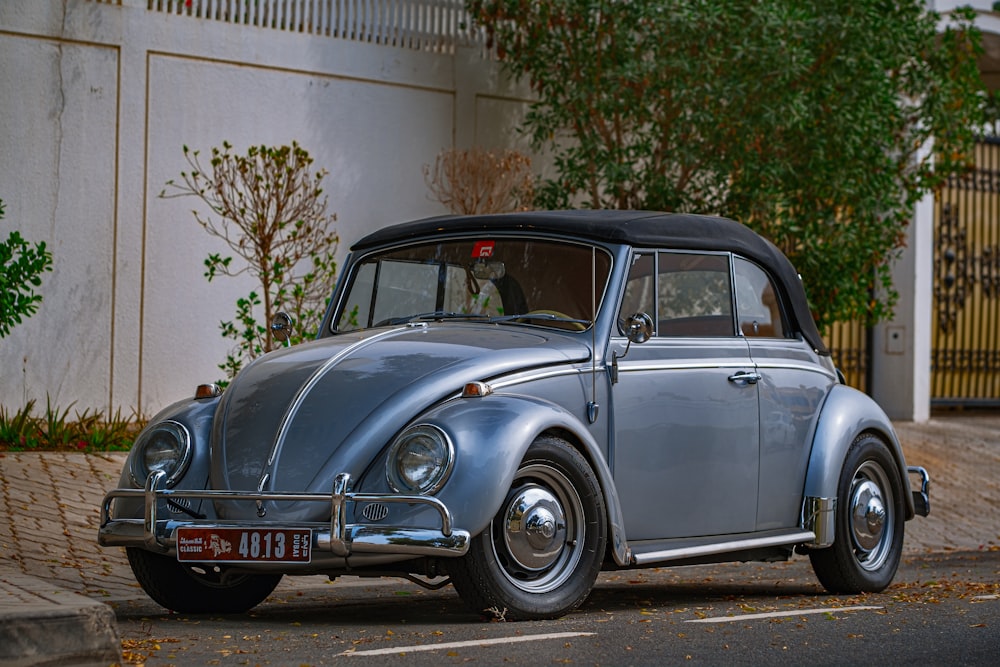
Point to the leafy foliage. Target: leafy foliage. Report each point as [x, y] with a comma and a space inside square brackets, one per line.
[21, 269]
[273, 217]
[55, 430]
[809, 120]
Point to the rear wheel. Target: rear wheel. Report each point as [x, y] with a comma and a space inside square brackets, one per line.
[868, 541]
[542, 552]
[198, 588]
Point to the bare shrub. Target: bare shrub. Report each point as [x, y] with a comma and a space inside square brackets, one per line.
[480, 181]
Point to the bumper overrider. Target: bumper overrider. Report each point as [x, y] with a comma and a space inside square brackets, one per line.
[337, 538]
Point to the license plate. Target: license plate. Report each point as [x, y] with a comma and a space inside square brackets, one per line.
[244, 545]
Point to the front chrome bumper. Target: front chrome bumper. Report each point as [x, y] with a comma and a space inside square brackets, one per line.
[337, 538]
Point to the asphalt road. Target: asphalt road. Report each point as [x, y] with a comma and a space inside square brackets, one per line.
[943, 609]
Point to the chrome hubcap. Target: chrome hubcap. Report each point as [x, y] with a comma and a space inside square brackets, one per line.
[870, 520]
[538, 536]
[534, 528]
[868, 516]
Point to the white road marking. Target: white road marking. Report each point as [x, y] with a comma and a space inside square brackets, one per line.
[471, 642]
[779, 614]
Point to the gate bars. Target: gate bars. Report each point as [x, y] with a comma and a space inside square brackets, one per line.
[965, 354]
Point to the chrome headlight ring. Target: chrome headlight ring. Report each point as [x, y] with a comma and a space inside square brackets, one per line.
[163, 446]
[420, 460]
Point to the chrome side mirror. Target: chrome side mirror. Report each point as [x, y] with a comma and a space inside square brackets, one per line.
[281, 328]
[638, 328]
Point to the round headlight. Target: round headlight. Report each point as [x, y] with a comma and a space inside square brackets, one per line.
[165, 447]
[420, 460]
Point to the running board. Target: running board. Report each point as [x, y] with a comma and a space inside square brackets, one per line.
[709, 546]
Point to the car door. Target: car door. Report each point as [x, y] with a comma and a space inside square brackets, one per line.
[686, 422]
[792, 387]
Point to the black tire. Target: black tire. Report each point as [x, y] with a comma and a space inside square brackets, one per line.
[870, 514]
[542, 552]
[198, 589]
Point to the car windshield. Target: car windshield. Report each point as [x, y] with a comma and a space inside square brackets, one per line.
[496, 279]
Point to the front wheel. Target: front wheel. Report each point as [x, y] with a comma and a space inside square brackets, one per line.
[868, 539]
[198, 589]
[542, 552]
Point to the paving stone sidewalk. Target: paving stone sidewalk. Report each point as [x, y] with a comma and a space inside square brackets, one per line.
[49, 503]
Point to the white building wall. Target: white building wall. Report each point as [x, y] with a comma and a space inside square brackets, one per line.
[108, 92]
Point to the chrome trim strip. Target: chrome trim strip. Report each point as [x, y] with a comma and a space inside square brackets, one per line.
[626, 367]
[723, 547]
[714, 363]
[521, 377]
[763, 363]
[308, 385]
[339, 537]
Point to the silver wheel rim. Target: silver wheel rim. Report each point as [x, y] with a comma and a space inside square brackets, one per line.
[872, 527]
[538, 535]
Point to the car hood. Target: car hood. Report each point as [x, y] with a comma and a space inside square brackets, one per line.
[294, 418]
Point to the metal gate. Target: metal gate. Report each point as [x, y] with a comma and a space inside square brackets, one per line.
[850, 345]
[965, 357]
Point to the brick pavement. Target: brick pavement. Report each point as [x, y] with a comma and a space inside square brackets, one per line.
[961, 451]
[51, 502]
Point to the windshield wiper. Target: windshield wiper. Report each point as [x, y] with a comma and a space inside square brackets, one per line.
[547, 316]
[436, 315]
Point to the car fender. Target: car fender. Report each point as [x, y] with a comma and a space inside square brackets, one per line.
[196, 415]
[491, 436]
[846, 414]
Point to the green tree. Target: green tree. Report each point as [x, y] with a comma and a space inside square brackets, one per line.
[811, 121]
[272, 215]
[21, 269]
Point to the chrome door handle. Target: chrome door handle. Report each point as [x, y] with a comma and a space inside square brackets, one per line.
[748, 377]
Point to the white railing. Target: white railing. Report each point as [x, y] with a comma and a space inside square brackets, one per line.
[432, 25]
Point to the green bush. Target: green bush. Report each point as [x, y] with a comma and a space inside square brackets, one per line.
[54, 430]
[818, 123]
[21, 269]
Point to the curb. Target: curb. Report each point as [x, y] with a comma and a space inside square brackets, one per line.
[42, 624]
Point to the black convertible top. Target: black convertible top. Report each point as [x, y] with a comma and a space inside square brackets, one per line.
[638, 228]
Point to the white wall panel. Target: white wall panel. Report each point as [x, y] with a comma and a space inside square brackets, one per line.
[372, 138]
[58, 147]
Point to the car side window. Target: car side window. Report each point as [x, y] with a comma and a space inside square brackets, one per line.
[686, 294]
[694, 295]
[757, 302]
[640, 289]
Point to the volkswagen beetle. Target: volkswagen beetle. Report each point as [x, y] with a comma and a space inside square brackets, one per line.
[514, 403]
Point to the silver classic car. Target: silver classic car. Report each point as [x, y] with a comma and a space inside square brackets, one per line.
[514, 403]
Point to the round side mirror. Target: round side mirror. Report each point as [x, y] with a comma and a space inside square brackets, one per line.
[281, 327]
[639, 327]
